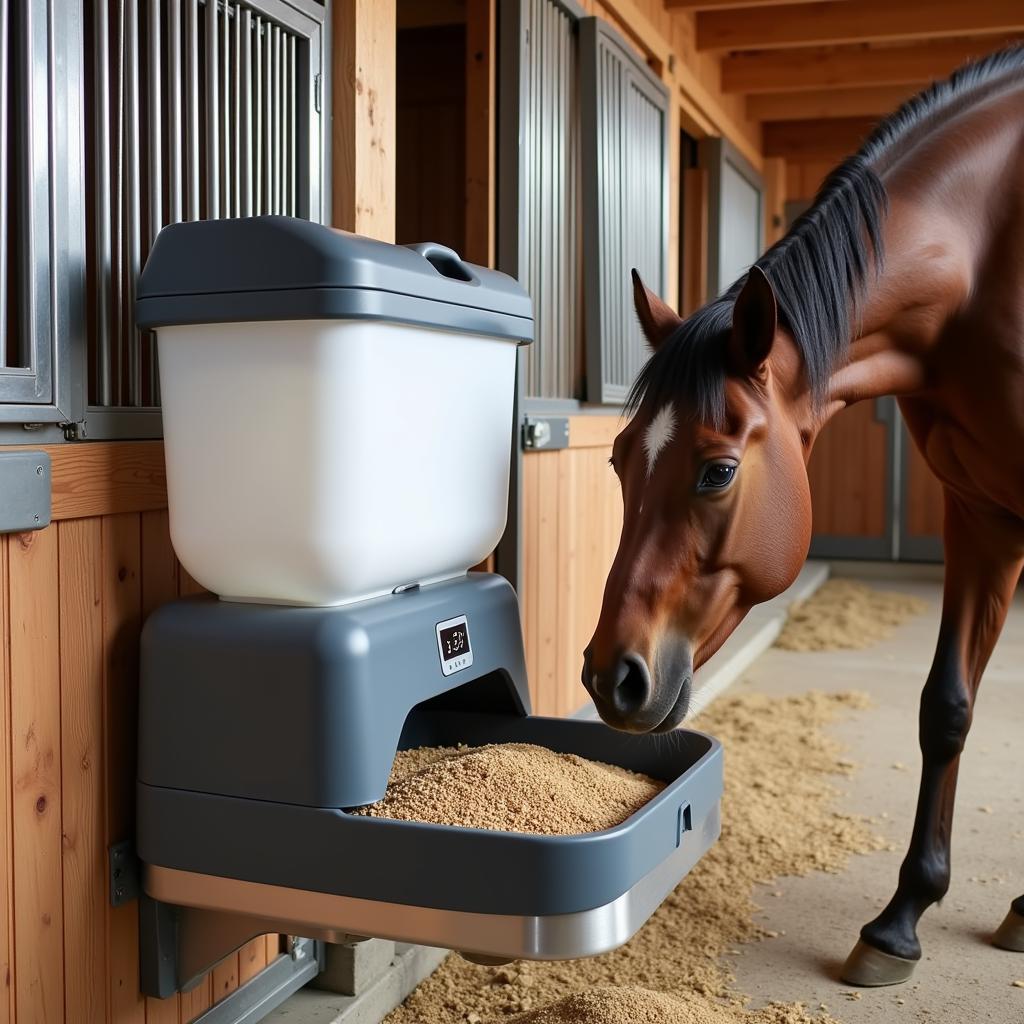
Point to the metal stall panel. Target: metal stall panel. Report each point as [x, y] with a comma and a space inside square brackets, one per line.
[231, 93]
[735, 213]
[539, 225]
[40, 232]
[625, 202]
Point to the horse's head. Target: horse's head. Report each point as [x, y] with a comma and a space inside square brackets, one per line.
[716, 505]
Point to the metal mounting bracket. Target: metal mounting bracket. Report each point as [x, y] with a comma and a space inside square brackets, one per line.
[25, 481]
[124, 873]
[548, 433]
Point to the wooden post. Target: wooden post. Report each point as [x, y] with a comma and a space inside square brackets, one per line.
[774, 200]
[671, 295]
[481, 111]
[363, 134]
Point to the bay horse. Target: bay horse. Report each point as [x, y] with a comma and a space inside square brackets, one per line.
[905, 277]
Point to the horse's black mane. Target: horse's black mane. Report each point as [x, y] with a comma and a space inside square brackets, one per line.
[819, 270]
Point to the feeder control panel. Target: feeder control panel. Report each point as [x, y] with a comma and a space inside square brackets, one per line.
[453, 645]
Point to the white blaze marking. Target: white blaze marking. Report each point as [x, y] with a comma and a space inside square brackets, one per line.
[658, 434]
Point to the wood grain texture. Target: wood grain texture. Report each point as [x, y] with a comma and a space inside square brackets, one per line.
[812, 68]
[829, 139]
[7, 964]
[859, 101]
[36, 770]
[925, 503]
[103, 478]
[481, 122]
[363, 116]
[80, 548]
[816, 24]
[847, 471]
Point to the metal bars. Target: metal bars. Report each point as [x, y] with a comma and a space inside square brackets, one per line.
[549, 255]
[217, 86]
[625, 202]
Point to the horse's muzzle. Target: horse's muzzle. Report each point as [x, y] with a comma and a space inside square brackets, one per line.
[629, 698]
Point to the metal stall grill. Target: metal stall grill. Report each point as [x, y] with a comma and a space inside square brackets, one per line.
[116, 118]
[39, 124]
[625, 202]
[195, 109]
[549, 253]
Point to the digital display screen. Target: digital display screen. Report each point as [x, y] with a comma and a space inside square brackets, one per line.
[454, 641]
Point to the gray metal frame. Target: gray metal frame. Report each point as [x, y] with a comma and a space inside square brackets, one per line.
[50, 387]
[615, 348]
[714, 155]
[49, 395]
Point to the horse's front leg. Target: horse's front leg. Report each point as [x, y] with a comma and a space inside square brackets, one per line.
[983, 563]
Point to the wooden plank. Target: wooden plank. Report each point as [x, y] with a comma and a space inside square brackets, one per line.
[695, 240]
[809, 68]
[546, 637]
[224, 977]
[252, 958]
[816, 140]
[836, 21]
[774, 200]
[98, 479]
[722, 5]
[925, 502]
[597, 430]
[7, 960]
[122, 621]
[363, 70]
[198, 1001]
[827, 103]
[80, 545]
[481, 113]
[532, 576]
[847, 475]
[568, 651]
[36, 770]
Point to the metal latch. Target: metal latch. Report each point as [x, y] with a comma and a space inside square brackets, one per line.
[549, 433]
[24, 491]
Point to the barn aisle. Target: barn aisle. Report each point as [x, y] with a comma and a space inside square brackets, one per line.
[816, 918]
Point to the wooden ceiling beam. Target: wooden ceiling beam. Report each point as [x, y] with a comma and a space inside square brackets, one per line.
[837, 21]
[722, 5]
[828, 103]
[805, 141]
[811, 68]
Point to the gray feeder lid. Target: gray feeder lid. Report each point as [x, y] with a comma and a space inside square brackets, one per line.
[284, 268]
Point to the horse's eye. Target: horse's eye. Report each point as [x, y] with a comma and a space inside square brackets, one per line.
[716, 476]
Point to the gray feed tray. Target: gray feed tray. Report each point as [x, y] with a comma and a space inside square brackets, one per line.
[215, 843]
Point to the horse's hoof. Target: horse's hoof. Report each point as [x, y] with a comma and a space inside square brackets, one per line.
[871, 967]
[1010, 934]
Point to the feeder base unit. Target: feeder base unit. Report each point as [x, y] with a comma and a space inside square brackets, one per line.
[262, 727]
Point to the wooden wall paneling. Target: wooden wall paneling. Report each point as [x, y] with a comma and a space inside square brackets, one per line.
[567, 650]
[694, 281]
[104, 478]
[830, 139]
[122, 620]
[821, 104]
[36, 770]
[531, 569]
[83, 774]
[363, 74]
[817, 24]
[924, 498]
[775, 187]
[7, 965]
[546, 635]
[481, 116]
[847, 471]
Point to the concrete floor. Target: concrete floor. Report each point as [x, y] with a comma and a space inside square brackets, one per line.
[961, 978]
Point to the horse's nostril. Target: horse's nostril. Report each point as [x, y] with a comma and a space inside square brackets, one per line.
[633, 685]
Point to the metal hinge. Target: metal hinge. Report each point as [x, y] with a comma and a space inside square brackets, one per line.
[317, 99]
[124, 873]
[73, 431]
[549, 433]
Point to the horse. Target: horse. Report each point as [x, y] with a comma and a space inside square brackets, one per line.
[905, 277]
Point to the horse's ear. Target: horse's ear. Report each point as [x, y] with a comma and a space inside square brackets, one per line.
[657, 319]
[754, 320]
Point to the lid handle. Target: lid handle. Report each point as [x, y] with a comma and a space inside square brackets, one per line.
[447, 262]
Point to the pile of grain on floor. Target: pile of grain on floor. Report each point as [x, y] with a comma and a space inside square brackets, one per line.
[628, 1005]
[846, 615]
[512, 787]
[778, 819]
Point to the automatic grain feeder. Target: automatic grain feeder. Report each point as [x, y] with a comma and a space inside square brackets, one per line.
[337, 417]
